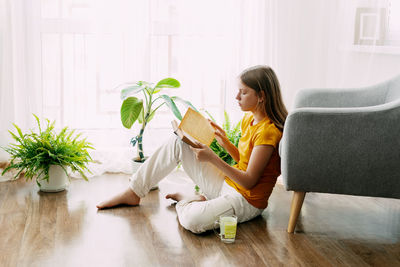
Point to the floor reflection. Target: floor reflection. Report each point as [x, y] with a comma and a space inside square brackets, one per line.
[66, 229]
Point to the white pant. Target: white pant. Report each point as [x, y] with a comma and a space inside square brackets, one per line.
[195, 216]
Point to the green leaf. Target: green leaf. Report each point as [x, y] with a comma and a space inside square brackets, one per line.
[130, 111]
[227, 124]
[185, 102]
[131, 90]
[70, 134]
[16, 138]
[19, 131]
[237, 127]
[144, 83]
[151, 116]
[168, 83]
[148, 90]
[141, 116]
[208, 113]
[155, 91]
[60, 136]
[38, 122]
[197, 188]
[171, 104]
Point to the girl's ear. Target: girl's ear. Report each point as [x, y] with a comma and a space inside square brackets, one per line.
[261, 98]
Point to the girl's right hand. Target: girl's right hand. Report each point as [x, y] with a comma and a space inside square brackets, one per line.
[220, 134]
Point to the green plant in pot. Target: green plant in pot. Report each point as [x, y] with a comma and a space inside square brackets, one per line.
[144, 109]
[233, 132]
[47, 156]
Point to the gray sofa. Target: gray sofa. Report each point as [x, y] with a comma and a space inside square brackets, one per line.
[343, 141]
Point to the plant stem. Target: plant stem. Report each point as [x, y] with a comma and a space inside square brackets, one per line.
[140, 138]
[145, 119]
[140, 144]
[156, 108]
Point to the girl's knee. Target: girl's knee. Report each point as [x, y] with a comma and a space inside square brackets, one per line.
[199, 216]
[194, 218]
[194, 223]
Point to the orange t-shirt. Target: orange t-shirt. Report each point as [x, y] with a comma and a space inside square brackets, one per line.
[263, 133]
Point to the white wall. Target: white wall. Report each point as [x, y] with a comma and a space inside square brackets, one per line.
[315, 49]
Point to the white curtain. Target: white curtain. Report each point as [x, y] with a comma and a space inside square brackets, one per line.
[63, 59]
[19, 91]
[17, 95]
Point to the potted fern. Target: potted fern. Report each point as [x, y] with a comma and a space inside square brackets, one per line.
[47, 156]
[144, 109]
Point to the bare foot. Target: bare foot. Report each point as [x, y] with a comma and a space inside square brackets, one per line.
[179, 197]
[128, 197]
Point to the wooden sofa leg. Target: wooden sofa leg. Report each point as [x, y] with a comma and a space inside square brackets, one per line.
[297, 202]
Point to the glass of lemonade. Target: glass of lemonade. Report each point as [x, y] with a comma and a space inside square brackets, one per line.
[227, 228]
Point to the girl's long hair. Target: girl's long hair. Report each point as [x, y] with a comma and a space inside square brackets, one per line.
[263, 79]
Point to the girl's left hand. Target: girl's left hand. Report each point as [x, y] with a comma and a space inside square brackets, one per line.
[203, 152]
[220, 134]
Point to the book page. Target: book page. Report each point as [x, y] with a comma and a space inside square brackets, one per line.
[198, 127]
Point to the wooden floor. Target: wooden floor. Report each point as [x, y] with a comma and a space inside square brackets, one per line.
[65, 229]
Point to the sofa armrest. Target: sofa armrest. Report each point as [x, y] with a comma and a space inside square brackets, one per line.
[349, 97]
[343, 150]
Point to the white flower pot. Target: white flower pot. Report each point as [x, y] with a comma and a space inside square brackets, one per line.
[135, 166]
[58, 180]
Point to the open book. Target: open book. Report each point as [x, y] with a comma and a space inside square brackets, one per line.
[194, 127]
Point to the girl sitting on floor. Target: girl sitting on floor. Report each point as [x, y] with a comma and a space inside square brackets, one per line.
[242, 189]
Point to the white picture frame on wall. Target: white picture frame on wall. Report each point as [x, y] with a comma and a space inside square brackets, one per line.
[370, 26]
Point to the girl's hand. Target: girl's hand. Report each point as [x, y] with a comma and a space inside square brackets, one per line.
[220, 134]
[203, 152]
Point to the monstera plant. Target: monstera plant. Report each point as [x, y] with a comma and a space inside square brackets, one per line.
[143, 109]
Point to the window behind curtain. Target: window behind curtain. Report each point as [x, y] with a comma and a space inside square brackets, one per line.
[90, 47]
